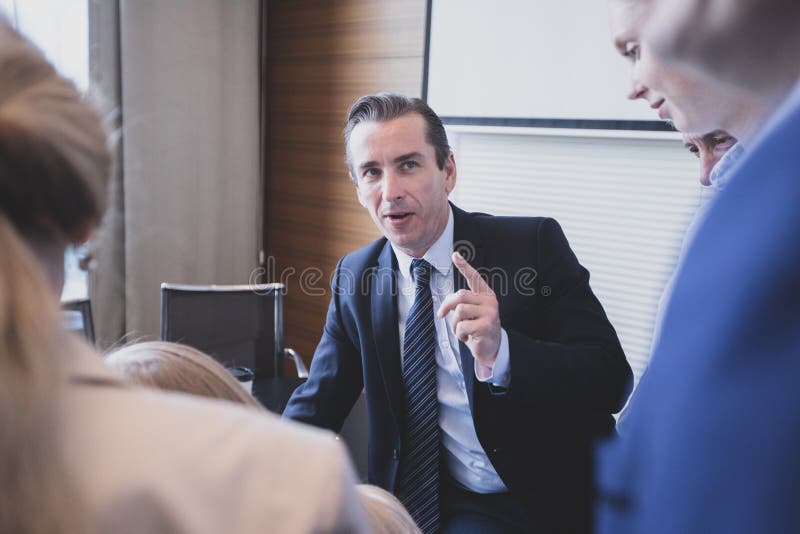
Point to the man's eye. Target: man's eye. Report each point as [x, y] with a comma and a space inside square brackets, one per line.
[371, 173]
[632, 51]
[724, 142]
[408, 165]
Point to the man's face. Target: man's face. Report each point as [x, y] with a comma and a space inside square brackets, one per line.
[399, 182]
[677, 95]
[709, 149]
[749, 43]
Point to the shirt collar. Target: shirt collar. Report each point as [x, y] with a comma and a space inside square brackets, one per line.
[722, 171]
[438, 255]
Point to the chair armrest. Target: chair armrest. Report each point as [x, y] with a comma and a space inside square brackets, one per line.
[302, 372]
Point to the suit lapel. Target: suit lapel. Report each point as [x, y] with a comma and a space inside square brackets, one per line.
[383, 303]
[466, 239]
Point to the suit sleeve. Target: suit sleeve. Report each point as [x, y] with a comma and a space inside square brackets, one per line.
[577, 361]
[335, 379]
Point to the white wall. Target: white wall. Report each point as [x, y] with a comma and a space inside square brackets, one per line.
[527, 59]
[190, 106]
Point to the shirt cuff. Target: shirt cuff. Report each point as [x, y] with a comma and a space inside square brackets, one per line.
[500, 373]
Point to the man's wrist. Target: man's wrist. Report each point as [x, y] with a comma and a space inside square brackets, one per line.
[483, 371]
[499, 373]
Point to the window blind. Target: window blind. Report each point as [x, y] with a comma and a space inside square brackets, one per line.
[624, 205]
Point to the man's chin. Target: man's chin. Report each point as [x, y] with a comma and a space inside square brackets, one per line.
[680, 123]
[401, 241]
[397, 235]
[690, 126]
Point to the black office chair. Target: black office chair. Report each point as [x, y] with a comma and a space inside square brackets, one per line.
[76, 317]
[355, 434]
[238, 325]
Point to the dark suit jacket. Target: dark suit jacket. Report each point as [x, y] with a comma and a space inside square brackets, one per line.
[568, 371]
[712, 442]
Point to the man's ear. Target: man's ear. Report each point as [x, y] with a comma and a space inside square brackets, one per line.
[450, 172]
[84, 232]
[360, 197]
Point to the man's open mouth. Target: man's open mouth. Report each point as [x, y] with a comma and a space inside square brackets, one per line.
[397, 217]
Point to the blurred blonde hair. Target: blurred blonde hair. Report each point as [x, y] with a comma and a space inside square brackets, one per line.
[54, 166]
[33, 478]
[56, 161]
[385, 513]
[177, 367]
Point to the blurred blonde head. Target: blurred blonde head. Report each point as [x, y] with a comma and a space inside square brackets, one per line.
[54, 164]
[177, 367]
[750, 44]
[385, 513]
[692, 102]
[33, 479]
[56, 161]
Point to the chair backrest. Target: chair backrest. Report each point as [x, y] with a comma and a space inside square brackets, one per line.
[77, 317]
[237, 325]
[355, 434]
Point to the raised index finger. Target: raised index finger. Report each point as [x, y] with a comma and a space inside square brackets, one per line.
[452, 300]
[473, 277]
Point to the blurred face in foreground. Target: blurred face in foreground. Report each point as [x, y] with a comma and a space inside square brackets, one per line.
[674, 93]
[750, 44]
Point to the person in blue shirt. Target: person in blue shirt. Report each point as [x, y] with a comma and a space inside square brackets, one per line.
[711, 445]
[682, 99]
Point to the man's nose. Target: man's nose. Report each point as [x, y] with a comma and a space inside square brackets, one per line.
[637, 90]
[707, 163]
[392, 186]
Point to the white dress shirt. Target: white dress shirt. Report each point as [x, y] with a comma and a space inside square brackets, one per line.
[465, 459]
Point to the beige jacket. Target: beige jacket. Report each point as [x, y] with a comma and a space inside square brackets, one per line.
[153, 462]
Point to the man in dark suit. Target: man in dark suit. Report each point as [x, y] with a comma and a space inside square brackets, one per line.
[712, 443]
[488, 372]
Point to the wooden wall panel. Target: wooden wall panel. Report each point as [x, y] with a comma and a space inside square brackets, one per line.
[321, 56]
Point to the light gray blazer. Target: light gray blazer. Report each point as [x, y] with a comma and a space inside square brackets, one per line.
[150, 461]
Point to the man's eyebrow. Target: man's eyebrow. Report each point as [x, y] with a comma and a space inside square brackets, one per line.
[368, 164]
[406, 157]
[619, 44]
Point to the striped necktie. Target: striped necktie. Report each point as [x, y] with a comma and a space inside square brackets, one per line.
[418, 477]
